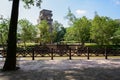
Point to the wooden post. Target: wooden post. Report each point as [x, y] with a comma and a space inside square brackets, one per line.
[106, 53]
[88, 56]
[33, 54]
[70, 54]
[52, 54]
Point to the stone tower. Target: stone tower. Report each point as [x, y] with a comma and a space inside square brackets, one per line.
[46, 15]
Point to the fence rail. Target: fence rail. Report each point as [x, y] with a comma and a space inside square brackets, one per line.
[64, 50]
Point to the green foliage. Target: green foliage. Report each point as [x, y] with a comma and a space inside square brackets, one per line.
[70, 34]
[59, 31]
[116, 37]
[61, 34]
[80, 31]
[28, 3]
[102, 29]
[4, 31]
[28, 31]
[70, 16]
[82, 26]
[44, 34]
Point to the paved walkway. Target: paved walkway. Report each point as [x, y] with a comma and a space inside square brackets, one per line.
[65, 70]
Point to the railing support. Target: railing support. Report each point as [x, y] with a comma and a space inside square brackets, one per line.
[33, 56]
[88, 55]
[106, 56]
[70, 56]
[52, 54]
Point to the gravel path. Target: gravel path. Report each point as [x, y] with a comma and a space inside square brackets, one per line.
[65, 70]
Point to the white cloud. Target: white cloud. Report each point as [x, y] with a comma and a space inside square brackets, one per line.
[81, 12]
[117, 2]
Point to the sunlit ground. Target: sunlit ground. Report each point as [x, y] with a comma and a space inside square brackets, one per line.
[73, 58]
[61, 68]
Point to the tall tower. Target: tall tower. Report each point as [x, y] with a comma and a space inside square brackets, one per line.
[46, 15]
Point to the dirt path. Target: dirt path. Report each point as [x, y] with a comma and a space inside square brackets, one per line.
[65, 70]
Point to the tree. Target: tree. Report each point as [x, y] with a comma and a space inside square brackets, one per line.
[61, 34]
[102, 29]
[27, 32]
[116, 37]
[116, 34]
[70, 34]
[58, 34]
[45, 35]
[70, 16]
[82, 26]
[10, 62]
[4, 31]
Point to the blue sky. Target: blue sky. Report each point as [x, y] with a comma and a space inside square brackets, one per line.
[110, 8]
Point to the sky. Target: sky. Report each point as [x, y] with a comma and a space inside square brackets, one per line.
[59, 8]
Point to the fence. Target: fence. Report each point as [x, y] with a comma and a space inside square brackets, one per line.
[65, 50]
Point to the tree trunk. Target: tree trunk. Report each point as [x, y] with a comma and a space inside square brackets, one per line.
[10, 62]
[82, 43]
[24, 44]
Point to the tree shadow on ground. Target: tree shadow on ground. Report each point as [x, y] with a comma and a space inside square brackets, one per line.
[66, 74]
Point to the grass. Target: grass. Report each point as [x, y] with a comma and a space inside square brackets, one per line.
[27, 44]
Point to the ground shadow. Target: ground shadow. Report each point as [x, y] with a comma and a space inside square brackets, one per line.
[67, 74]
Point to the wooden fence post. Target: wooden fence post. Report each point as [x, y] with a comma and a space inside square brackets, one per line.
[70, 54]
[52, 53]
[33, 54]
[106, 57]
[88, 56]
